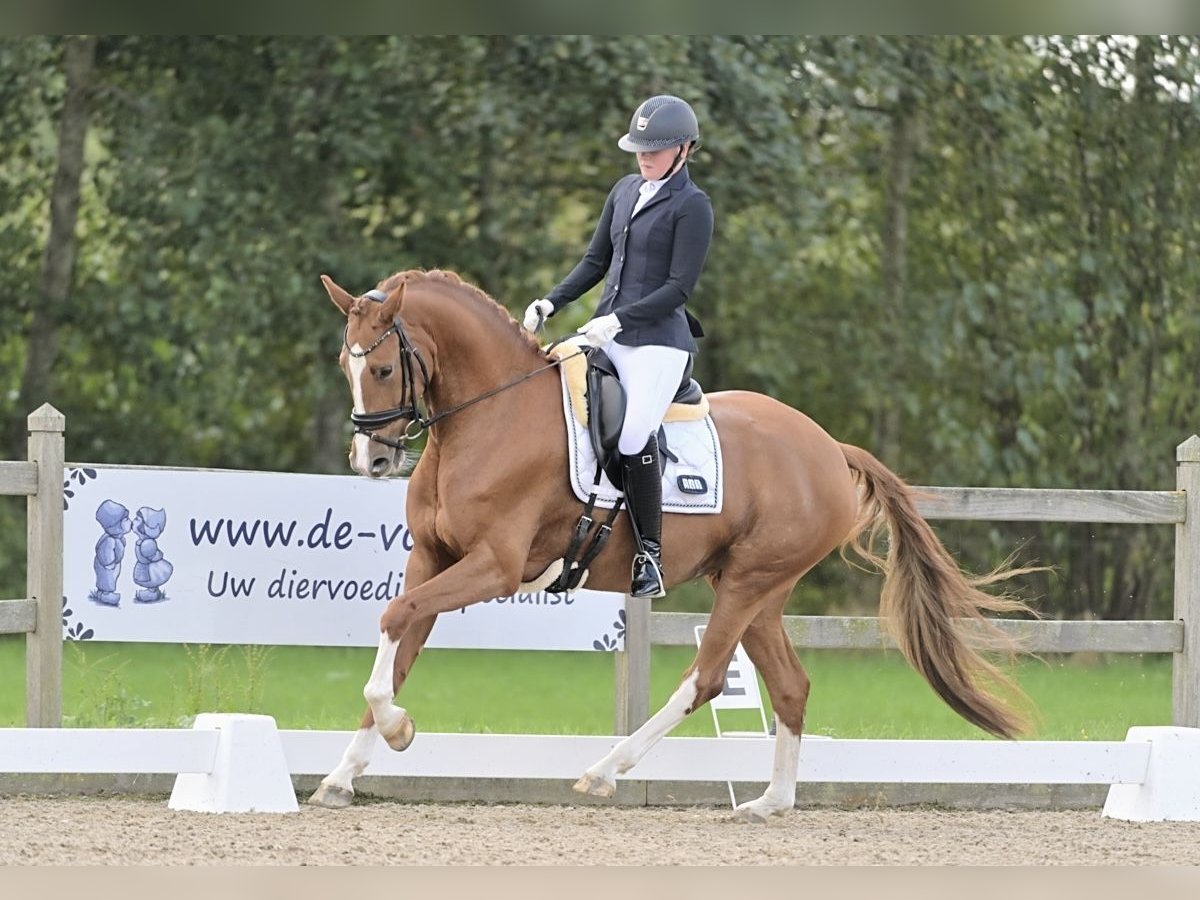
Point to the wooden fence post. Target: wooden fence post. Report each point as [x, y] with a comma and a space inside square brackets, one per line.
[44, 570]
[1185, 687]
[632, 686]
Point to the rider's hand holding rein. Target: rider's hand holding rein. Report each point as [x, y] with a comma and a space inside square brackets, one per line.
[536, 314]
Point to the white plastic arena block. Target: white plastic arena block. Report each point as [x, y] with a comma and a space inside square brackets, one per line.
[250, 773]
[1171, 789]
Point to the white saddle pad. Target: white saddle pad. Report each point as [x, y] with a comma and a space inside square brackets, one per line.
[695, 484]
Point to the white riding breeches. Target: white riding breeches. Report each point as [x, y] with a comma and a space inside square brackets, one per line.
[650, 376]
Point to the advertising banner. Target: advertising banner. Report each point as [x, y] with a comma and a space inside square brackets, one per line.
[223, 557]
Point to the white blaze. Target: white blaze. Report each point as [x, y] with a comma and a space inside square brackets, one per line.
[360, 458]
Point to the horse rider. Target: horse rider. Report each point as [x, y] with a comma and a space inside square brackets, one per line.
[651, 242]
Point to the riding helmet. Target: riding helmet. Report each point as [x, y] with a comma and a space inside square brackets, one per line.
[662, 121]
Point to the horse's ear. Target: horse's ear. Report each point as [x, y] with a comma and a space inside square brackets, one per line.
[340, 298]
[390, 308]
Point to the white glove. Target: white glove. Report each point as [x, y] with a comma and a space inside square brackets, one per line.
[600, 332]
[536, 313]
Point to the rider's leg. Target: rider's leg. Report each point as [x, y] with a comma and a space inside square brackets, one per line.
[651, 376]
[643, 496]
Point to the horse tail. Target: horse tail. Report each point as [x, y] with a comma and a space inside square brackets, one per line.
[931, 608]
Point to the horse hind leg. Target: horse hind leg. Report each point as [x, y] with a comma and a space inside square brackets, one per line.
[771, 651]
[600, 780]
[336, 790]
[704, 679]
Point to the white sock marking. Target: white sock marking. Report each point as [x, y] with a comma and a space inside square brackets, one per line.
[626, 754]
[780, 795]
[378, 691]
[787, 765]
[354, 760]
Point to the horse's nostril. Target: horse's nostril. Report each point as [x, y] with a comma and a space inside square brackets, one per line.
[379, 465]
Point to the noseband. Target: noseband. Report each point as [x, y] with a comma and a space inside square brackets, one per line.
[369, 423]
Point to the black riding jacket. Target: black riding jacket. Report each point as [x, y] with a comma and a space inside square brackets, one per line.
[653, 261]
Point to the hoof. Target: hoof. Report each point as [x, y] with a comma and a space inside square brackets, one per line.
[595, 786]
[331, 797]
[757, 813]
[402, 735]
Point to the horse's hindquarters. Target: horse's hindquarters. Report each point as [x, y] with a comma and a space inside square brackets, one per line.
[789, 493]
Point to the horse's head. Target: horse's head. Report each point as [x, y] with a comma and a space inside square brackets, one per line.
[385, 372]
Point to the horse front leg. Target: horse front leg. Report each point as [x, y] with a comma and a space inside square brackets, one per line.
[480, 575]
[336, 790]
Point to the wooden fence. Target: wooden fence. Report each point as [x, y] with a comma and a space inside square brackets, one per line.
[38, 616]
[1180, 508]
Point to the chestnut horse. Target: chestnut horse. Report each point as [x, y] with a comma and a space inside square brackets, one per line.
[497, 452]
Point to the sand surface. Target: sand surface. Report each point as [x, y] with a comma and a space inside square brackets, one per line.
[141, 831]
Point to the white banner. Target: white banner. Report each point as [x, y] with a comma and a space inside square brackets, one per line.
[221, 557]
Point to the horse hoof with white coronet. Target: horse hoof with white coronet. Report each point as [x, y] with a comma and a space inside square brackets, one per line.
[595, 786]
[331, 796]
[758, 812]
[402, 735]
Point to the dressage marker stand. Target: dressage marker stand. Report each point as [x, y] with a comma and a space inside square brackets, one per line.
[1150, 775]
[238, 763]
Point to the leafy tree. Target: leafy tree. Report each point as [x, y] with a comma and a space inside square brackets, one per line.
[971, 255]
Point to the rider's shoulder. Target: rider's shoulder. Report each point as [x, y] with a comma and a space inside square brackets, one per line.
[624, 181]
[693, 197]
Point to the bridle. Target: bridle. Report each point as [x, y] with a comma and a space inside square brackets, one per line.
[369, 423]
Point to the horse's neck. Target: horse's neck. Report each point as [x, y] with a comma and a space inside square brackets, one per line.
[476, 350]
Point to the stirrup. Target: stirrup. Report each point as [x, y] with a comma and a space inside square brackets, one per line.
[652, 590]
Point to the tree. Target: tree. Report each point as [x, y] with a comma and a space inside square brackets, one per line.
[971, 255]
[58, 259]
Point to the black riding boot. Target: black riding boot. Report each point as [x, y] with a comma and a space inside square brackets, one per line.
[643, 496]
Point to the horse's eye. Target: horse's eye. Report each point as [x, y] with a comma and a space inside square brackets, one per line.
[385, 371]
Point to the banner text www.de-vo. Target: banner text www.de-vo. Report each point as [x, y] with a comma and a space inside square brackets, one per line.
[322, 534]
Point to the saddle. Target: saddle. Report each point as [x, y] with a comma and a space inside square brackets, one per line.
[599, 400]
[600, 404]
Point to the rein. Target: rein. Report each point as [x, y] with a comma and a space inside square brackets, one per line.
[368, 423]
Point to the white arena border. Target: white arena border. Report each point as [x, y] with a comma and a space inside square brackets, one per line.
[242, 763]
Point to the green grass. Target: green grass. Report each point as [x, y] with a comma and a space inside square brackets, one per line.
[854, 694]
